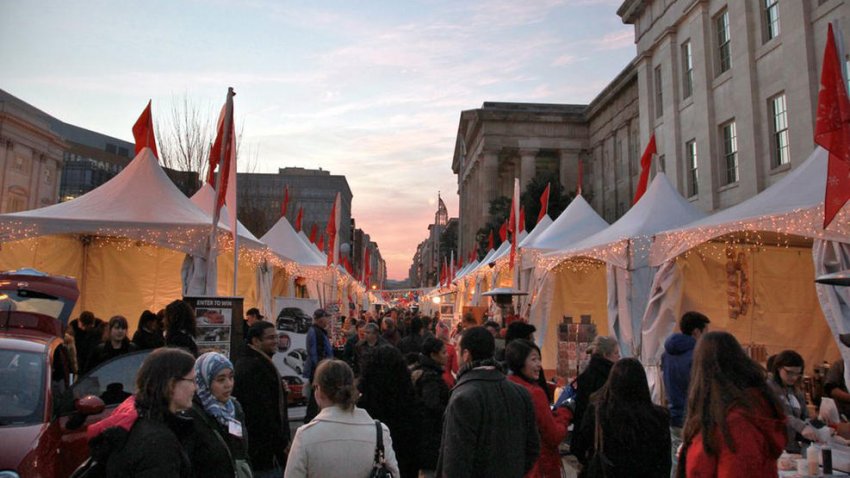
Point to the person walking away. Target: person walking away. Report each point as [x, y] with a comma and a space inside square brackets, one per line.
[318, 349]
[116, 343]
[786, 376]
[218, 447]
[734, 424]
[341, 439]
[88, 333]
[676, 369]
[489, 427]
[523, 360]
[412, 344]
[432, 396]
[604, 352]
[180, 326]
[634, 432]
[144, 437]
[148, 334]
[259, 389]
[390, 331]
[387, 395]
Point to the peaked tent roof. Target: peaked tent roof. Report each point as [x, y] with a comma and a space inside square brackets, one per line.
[204, 199]
[483, 262]
[539, 229]
[626, 243]
[284, 241]
[793, 205]
[139, 203]
[577, 222]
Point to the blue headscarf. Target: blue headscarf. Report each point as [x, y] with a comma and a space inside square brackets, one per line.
[207, 366]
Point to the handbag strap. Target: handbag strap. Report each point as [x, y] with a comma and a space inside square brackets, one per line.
[379, 444]
[598, 440]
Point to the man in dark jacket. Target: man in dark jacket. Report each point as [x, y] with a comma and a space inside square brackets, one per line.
[88, 333]
[676, 367]
[318, 349]
[259, 389]
[413, 342]
[489, 428]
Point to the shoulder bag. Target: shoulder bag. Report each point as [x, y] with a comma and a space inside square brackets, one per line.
[599, 465]
[379, 467]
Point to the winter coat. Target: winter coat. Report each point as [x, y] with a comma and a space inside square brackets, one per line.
[105, 351]
[258, 387]
[411, 344]
[552, 427]
[432, 394]
[212, 448]
[451, 365]
[587, 383]
[145, 340]
[392, 336]
[141, 447]
[634, 453]
[676, 366]
[362, 351]
[183, 340]
[338, 443]
[489, 428]
[758, 436]
[318, 349]
[86, 340]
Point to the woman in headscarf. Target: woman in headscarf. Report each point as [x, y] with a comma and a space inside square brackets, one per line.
[219, 447]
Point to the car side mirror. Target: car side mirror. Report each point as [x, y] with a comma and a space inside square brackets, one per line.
[89, 405]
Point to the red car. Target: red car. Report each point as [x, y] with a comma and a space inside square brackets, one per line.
[43, 416]
[296, 390]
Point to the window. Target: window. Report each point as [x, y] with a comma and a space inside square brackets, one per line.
[687, 70]
[659, 104]
[724, 52]
[771, 19]
[779, 131]
[661, 163]
[691, 167]
[730, 152]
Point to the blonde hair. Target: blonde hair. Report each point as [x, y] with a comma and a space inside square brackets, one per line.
[337, 382]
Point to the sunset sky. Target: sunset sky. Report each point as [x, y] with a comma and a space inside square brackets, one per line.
[372, 90]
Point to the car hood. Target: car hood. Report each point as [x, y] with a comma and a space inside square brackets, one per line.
[18, 442]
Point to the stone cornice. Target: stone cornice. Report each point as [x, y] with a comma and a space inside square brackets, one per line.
[630, 9]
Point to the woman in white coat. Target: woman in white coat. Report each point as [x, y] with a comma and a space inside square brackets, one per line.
[341, 440]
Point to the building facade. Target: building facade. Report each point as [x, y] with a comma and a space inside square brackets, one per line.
[261, 196]
[729, 89]
[377, 265]
[427, 261]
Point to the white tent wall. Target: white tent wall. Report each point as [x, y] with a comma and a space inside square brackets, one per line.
[830, 256]
[573, 293]
[784, 313]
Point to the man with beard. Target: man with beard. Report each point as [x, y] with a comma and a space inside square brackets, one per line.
[260, 391]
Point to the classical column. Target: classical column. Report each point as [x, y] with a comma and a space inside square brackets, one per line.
[568, 169]
[528, 166]
[488, 178]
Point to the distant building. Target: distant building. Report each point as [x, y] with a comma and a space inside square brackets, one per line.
[427, 261]
[260, 196]
[377, 265]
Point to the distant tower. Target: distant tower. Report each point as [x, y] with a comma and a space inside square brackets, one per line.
[441, 218]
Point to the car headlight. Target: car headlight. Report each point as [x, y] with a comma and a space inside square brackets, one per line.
[9, 474]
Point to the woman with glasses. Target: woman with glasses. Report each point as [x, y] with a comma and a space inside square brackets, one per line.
[786, 377]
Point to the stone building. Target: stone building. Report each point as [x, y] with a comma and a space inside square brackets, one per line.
[260, 196]
[427, 261]
[728, 88]
[361, 242]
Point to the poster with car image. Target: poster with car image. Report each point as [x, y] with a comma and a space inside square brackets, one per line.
[292, 320]
[218, 323]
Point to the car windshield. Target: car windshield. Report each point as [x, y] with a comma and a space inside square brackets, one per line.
[21, 388]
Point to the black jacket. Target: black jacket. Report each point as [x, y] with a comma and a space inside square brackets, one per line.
[104, 351]
[432, 394]
[411, 344]
[183, 340]
[489, 428]
[212, 448]
[86, 340]
[145, 340]
[635, 451]
[258, 388]
[153, 449]
[587, 383]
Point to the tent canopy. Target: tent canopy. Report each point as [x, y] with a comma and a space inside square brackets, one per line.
[204, 199]
[284, 241]
[139, 203]
[577, 222]
[661, 208]
[539, 229]
[791, 206]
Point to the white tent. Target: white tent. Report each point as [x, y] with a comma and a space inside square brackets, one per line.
[204, 199]
[760, 251]
[285, 242]
[133, 230]
[624, 248]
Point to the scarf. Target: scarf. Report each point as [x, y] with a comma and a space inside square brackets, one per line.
[207, 367]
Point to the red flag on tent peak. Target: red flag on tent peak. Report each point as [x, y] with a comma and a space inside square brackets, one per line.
[143, 132]
[544, 203]
[333, 230]
[314, 231]
[503, 232]
[285, 204]
[832, 130]
[298, 219]
[223, 156]
[521, 219]
[645, 163]
[321, 244]
[490, 244]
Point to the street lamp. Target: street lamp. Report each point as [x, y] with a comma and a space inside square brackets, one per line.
[436, 300]
[504, 299]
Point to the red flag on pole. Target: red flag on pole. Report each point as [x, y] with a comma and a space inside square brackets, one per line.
[490, 245]
[313, 232]
[832, 131]
[544, 203]
[366, 267]
[503, 232]
[298, 219]
[143, 132]
[321, 244]
[516, 217]
[521, 219]
[645, 163]
[333, 232]
[285, 204]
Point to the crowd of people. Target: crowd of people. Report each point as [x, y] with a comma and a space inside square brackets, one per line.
[423, 399]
